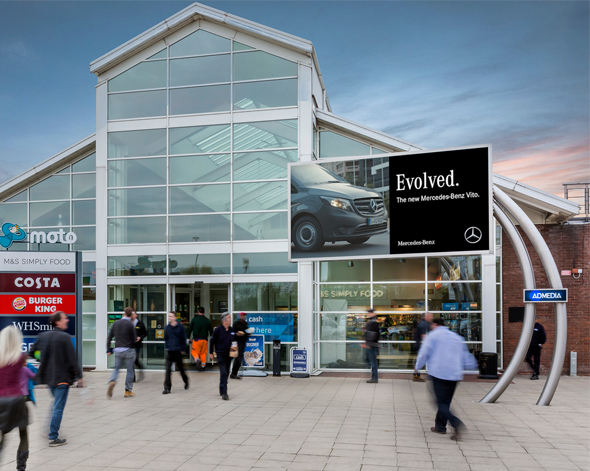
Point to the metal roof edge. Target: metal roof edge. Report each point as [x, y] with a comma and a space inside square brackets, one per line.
[44, 168]
[362, 130]
[191, 13]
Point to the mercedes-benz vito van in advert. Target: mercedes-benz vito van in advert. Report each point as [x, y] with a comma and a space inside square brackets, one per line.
[326, 208]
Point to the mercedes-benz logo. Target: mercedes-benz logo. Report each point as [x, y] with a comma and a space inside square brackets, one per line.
[473, 235]
[373, 204]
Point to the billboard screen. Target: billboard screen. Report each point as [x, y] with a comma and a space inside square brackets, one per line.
[412, 203]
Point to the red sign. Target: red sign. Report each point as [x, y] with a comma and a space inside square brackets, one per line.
[37, 304]
[37, 283]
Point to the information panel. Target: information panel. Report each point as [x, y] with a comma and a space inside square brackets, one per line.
[414, 203]
[254, 352]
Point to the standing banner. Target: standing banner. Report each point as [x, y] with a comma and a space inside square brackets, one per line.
[253, 362]
[34, 285]
[299, 362]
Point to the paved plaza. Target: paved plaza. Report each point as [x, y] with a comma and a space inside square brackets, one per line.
[321, 423]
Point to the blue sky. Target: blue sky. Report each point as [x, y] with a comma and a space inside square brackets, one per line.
[438, 74]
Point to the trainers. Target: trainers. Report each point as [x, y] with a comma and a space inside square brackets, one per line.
[535, 376]
[129, 394]
[110, 389]
[435, 430]
[57, 442]
[372, 381]
[234, 376]
[225, 397]
[457, 433]
[166, 391]
[418, 379]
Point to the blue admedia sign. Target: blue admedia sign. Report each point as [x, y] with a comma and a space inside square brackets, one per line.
[545, 296]
[273, 326]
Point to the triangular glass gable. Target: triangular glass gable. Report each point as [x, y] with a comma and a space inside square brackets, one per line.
[200, 42]
[159, 55]
[241, 47]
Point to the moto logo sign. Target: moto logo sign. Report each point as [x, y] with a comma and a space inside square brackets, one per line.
[54, 237]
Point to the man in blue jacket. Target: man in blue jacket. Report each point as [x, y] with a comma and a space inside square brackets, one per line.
[175, 344]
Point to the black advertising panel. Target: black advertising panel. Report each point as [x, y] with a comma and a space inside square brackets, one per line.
[404, 204]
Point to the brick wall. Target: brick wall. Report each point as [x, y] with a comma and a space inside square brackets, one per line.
[570, 246]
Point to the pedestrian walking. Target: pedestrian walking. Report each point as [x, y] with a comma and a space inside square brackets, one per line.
[534, 352]
[241, 329]
[420, 333]
[221, 342]
[175, 344]
[59, 369]
[372, 344]
[446, 356]
[200, 329]
[124, 334]
[140, 334]
[14, 412]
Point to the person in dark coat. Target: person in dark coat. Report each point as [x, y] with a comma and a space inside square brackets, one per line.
[420, 333]
[372, 344]
[241, 329]
[534, 352]
[13, 405]
[140, 333]
[175, 344]
[220, 345]
[124, 351]
[59, 369]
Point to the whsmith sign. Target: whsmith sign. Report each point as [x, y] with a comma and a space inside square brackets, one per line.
[545, 295]
[409, 203]
[14, 233]
[34, 285]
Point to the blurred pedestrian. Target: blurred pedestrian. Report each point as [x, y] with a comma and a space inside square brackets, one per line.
[372, 344]
[175, 344]
[140, 334]
[124, 333]
[200, 328]
[241, 329]
[537, 340]
[446, 356]
[13, 404]
[59, 369]
[221, 341]
[420, 333]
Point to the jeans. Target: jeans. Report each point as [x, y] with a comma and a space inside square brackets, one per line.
[372, 353]
[534, 352]
[443, 392]
[174, 357]
[127, 357]
[60, 397]
[224, 361]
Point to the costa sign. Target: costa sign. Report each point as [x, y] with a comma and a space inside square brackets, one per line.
[37, 304]
[37, 282]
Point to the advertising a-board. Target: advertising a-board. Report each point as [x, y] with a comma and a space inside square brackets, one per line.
[254, 352]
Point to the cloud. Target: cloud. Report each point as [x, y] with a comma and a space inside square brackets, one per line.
[17, 51]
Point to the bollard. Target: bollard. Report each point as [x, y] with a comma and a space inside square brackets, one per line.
[276, 358]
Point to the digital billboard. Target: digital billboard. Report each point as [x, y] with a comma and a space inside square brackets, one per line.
[402, 204]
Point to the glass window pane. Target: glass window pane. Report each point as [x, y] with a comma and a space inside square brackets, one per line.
[87, 164]
[135, 172]
[241, 47]
[351, 270]
[89, 327]
[375, 150]
[22, 196]
[207, 228]
[259, 65]
[260, 226]
[142, 298]
[137, 104]
[200, 99]
[86, 238]
[265, 135]
[336, 145]
[89, 273]
[398, 269]
[454, 296]
[200, 70]
[253, 95]
[137, 265]
[50, 214]
[260, 196]
[263, 165]
[14, 213]
[84, 212]
[400, 297]
[454, 268]
[265, 296]
[142, 76]
[199, 264]
[160, 55]
[135, 230]
[200, 168]
[199, 199]
[84, 186]
[260, 263]
[88, 299]
[200, 42]
[466, 324]
[137, 143]
[56, 187]
[88, 353]
[200, 139]
[345, 297]
[137, 201]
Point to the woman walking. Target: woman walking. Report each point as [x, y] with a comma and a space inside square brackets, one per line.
[13, 408]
